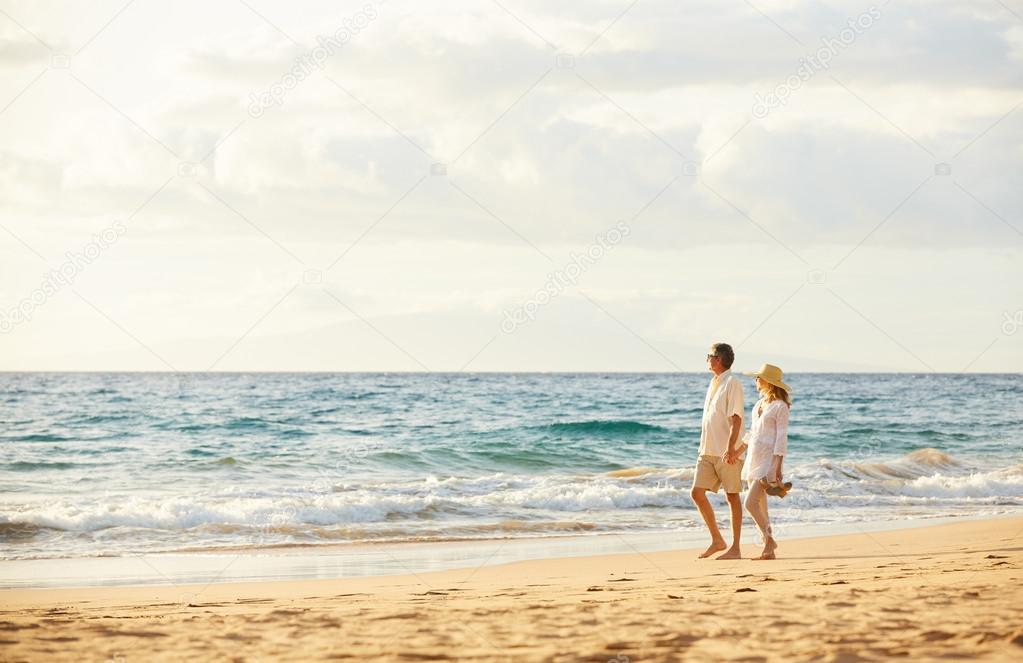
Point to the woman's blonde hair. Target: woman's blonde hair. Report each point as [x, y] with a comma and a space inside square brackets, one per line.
[773, 392]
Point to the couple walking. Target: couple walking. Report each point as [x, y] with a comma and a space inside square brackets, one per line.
[723, 449]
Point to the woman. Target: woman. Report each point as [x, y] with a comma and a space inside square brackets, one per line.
[768, 442]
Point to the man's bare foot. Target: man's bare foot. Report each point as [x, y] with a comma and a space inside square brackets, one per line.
[716, 546]
[733, 553]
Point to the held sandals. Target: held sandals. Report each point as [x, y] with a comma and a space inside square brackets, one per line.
[776, 489]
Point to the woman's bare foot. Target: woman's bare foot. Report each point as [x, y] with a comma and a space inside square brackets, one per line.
[733, 553]
[715, 546]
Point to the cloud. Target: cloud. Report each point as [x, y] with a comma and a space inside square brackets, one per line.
[652, 123]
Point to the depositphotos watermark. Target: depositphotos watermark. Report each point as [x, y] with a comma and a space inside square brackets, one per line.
[63, 276]
[812, 64]
[1011, 322]
[309, 62]
[562, 278]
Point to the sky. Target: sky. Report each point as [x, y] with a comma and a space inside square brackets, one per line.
[510, 186]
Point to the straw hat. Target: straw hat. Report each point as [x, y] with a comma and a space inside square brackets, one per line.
[772, 375]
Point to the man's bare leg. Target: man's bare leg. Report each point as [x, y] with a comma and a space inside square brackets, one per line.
[717, 543]
[735, 505]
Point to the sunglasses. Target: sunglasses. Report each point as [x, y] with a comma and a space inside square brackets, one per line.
[709, 357]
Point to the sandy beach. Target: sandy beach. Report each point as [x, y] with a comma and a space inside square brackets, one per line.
[952, 590]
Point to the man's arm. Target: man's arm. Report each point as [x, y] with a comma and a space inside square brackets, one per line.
[736, 408]
[733, 437]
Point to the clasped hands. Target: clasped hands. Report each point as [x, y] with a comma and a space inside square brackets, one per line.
[731, 457]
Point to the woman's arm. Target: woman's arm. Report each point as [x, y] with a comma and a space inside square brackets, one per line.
[781, 430]
[781, 442]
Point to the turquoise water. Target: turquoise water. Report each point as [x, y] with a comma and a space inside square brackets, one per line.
[117, 464]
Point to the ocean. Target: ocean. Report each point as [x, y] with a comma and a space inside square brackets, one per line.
[110, 465]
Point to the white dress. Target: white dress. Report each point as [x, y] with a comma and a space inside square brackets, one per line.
[768, 437]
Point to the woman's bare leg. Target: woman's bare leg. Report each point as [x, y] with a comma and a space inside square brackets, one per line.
[756, 504]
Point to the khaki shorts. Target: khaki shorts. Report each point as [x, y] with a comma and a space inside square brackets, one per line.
[712, 472]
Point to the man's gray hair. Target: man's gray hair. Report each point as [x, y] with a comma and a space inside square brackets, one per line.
[724, 352]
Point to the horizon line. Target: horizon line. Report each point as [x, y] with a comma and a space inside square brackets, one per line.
[457, 372]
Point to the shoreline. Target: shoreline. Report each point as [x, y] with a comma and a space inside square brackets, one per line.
[924, 593]
[328, 561]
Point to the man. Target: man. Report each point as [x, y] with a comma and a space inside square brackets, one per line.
[720, 463]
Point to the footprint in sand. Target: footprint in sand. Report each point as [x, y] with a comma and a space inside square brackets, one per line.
[239, 637]
[423, 656]
[846, 657]
[677, 640]
[398, 615]
[134, 634]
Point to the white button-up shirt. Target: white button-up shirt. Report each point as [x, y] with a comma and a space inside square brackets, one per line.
[724, 398]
